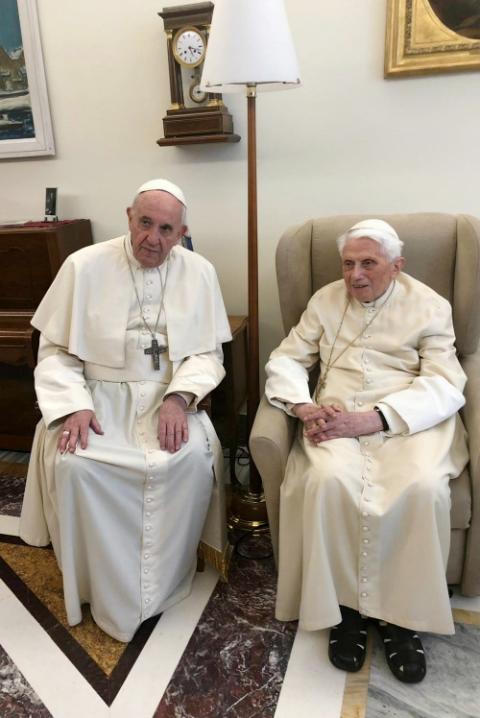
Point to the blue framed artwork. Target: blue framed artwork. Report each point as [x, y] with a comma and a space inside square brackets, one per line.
[25, 123]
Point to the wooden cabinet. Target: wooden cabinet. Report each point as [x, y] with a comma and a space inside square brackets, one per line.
[30, 256]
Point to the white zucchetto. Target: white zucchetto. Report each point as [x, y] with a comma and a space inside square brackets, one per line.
[164, 186]
[374, 228]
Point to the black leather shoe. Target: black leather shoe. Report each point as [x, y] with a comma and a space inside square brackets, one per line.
[348, 641]
[404, 652]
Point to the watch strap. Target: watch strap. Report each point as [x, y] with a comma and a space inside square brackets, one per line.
[382, 418]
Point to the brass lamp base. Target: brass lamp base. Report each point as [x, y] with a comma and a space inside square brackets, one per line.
[248, 511]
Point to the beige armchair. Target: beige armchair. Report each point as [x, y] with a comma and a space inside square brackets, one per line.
[443, 251]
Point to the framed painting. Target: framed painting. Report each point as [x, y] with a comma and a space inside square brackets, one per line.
[428, 36]
[25, 123]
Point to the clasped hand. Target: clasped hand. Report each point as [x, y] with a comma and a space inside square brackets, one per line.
[330, 421]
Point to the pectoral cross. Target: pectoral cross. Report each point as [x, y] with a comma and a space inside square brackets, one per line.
[155, 350]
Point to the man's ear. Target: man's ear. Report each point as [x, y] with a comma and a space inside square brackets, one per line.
[398, 264]
[129, 213]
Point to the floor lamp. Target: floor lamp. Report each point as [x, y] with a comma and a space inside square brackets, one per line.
[250, 49]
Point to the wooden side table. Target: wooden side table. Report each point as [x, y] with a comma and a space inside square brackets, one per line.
[229, 396]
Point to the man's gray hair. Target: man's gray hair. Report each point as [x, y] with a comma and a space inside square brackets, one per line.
[379, 231]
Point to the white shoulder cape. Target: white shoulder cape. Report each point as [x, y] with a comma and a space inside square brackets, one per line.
[86, 307]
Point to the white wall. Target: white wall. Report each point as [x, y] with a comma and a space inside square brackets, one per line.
[347, 140]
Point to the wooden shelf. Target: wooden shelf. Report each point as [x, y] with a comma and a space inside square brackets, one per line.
[197, 139]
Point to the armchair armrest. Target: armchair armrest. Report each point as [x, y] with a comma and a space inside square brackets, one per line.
[270, 441]
[471, 419]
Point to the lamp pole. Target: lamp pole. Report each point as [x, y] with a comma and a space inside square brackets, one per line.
[255, 484]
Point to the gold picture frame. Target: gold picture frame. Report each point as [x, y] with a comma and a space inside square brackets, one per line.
[418, 42]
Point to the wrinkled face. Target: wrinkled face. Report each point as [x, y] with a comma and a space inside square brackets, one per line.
[155, 223]
[366, 270]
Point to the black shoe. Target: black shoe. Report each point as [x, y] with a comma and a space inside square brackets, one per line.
[348, 641]
[404, 652]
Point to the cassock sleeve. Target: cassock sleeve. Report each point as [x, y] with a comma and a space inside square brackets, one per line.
[436, 393]
[198, 375]
[60, 383]
[288, 367]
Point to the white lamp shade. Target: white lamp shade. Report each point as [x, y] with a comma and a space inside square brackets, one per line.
[249, 44]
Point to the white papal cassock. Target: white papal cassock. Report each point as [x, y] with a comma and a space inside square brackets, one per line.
[124, 517]
[365, 522]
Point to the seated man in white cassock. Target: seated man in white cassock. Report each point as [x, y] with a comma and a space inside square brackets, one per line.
[123, 465]
[365, 503]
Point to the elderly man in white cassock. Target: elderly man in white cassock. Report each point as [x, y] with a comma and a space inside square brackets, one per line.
[122, 465]
[365, 505]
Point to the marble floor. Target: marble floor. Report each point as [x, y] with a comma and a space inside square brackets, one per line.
[219, 653]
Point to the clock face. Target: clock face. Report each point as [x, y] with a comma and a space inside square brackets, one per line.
[189, 47]
[196, 94]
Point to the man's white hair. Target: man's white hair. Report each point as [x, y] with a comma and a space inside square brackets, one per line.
[379, 231]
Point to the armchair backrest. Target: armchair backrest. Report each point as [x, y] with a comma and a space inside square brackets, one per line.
[441, 250]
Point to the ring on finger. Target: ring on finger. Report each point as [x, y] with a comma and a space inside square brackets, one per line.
[66, 433]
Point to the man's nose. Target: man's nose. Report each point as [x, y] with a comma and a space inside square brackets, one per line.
[357, 270]
[154, 235]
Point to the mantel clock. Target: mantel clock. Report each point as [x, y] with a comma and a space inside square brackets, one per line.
[194, 116]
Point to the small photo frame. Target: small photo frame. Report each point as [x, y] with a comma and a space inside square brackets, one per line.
[432, 36]
[25, 123]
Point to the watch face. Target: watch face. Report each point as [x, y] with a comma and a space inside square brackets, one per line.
[196, 94]
[189, 47]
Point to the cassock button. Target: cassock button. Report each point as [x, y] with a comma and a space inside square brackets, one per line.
[364, 580]
[146, 555]
[364, 553]
[149, 500]
[148, 528]
[365, 528]
[364, 594]
[145, 570]
[147, 600]
[360, 403]
[148, 514]
[366, 540]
